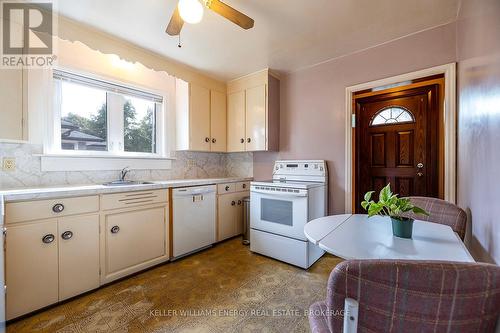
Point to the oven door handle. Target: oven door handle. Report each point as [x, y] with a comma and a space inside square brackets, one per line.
[281, 194]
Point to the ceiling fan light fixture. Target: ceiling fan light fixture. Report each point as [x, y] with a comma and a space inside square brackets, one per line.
[191, 11]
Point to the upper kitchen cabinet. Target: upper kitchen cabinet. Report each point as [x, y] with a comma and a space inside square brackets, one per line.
[13, 124]
[200, 118]
[253, 113]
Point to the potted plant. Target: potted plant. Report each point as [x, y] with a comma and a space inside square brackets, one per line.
[390, 205]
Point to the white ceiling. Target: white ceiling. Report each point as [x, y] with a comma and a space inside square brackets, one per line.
[288, 34]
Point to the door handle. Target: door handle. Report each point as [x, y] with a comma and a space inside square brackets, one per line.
[420, 166]
[47, 239]
[67, 235]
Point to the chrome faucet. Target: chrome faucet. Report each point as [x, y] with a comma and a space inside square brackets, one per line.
[123, 173]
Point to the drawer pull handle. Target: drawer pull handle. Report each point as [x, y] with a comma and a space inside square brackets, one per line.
[67, 235]
[233, 203]
[58, 208]
[226, 188]
[242, 140]
[115, 229]
[239, 202]
[214, 140]
[249, 140]
[47, 239]
[244, 186]
[207, 139]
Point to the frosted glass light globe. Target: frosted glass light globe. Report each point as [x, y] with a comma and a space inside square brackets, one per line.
[191, 11]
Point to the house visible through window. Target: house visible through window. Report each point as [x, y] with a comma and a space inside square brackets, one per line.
[104, 117]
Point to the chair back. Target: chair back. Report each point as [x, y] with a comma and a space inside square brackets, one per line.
[416, 296]
[441, 211]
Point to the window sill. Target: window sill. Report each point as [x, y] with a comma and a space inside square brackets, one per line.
[63, 162]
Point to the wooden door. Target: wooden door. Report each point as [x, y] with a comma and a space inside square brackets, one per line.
[218, 117]
[78, 254]
[256, 118]
[31, 267]
[397, 143]
[236, 122]
[199, 118]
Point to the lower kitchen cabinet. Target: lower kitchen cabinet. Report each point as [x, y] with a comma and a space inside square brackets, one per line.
[31, 273]
[230, 209]
[78, 255]
[132, 240]
[50, 260]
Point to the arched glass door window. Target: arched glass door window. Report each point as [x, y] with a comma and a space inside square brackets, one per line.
[392, 115]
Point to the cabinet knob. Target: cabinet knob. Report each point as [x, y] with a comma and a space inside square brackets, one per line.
[233, 203]
[213, 140]
[47, 239]
[249, 140]
[207, 139]
[226, 188]
[67, 235]
[244, 186]
[58, 208]
[242, 140]
[239, 202]
[115, 229]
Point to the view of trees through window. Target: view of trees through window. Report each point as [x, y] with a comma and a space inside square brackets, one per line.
[84, 120]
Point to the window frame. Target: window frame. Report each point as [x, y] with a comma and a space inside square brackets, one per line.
[115, 122]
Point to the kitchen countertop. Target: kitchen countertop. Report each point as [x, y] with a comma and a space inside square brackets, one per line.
[79, 190]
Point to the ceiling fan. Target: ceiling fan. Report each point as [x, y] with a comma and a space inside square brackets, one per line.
[191, 11]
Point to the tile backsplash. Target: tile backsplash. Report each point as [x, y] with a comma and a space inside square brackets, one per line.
[186, 165]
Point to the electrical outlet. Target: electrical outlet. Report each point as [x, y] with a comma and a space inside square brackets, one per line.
[9, 164]
[191, 163]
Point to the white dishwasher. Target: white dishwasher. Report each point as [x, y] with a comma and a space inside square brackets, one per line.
[194, 218]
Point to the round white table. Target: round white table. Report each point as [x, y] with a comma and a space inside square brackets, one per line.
[359, 237]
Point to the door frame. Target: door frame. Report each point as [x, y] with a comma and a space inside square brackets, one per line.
[450, 127]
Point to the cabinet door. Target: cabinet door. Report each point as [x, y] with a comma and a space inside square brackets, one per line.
[133, 237]
[199, 118]
[226, 217]
[78, 255]
[236, 122]
[11, 95]
[31, 267]
[256, 118]
[218, 117]
[238, 224]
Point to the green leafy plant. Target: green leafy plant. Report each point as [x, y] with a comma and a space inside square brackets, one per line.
[390, 205]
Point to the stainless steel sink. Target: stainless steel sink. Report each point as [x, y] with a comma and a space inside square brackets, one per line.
[126, 183]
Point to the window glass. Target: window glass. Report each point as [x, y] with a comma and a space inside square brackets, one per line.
[276, 211]
[83, 118]
[392, 115]
[139, 125]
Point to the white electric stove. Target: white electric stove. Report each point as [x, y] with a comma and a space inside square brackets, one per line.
[280, 208]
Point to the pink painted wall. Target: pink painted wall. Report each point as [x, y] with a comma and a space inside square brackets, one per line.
[313, 100]
[478, 53]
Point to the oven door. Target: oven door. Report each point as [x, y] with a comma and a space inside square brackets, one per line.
[279, 212]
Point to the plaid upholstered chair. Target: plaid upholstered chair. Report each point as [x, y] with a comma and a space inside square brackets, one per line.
[442, 212]
[411, 296]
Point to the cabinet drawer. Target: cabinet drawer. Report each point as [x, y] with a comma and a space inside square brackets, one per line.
[226, 188]
[42, 209]
[131, 199]
[242, 186]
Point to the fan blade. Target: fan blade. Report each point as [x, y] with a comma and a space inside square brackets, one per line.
[231, 14]
[175, 25]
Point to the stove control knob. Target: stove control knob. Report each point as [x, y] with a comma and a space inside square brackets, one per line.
[315, 166]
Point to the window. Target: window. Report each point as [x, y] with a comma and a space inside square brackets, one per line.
[106, 118]
[392, 115]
